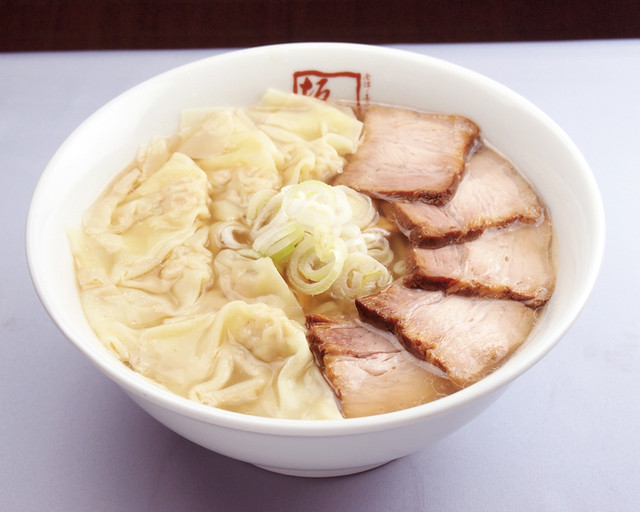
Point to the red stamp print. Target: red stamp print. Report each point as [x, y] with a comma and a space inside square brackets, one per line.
[345, 85]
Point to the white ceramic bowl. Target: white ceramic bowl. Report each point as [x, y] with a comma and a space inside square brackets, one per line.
[108, 140]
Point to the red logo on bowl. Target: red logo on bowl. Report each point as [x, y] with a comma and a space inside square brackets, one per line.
[345, 85]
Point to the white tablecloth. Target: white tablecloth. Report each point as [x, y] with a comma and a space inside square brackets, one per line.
[565, 436]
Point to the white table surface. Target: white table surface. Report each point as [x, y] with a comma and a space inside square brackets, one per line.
[565, 436]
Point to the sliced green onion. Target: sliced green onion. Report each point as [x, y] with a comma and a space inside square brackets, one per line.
[257, 202]
[231, 234]
[279, 241]
[363, 212]
[308, 274]
[311, 229]
[361, 275]
[378, 245]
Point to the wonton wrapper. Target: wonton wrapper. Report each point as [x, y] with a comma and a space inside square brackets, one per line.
[256, 280]
[313, 136]
[264, 367]
[216, 324]
[135, 226]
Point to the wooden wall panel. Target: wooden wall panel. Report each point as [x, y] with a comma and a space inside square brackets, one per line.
[37, 25]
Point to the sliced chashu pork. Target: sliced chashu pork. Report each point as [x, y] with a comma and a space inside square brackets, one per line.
[369, 373]
[467, 337]
[410, 155]
[507, 263]
[491, 193]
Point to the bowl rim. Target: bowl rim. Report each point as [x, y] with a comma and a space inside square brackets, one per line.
[133, 382]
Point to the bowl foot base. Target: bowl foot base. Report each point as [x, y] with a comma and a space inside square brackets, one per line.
[320, 473]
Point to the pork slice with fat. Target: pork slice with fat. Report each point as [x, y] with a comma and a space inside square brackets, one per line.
[410, 155]
[506, 263]
[369, 373]
[491, 193]
[467, 337]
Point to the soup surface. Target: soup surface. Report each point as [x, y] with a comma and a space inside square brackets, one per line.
[245, 261]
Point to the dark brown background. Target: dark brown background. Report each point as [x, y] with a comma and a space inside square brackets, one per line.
[37, 25]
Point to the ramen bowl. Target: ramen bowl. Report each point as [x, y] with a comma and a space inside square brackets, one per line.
[106, 142]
